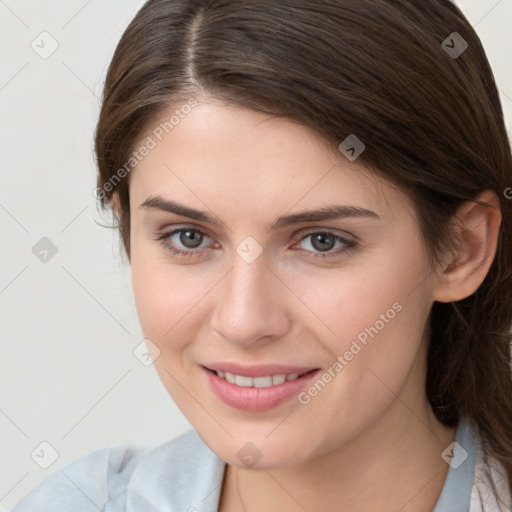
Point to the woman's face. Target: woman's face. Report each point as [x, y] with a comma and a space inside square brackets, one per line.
[267, 284]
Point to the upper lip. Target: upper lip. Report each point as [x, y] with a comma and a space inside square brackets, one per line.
[259, 370]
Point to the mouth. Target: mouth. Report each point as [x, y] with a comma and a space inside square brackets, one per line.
[261, 392]
[265, 381]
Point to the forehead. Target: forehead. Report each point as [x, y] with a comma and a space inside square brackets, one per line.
[223, 152]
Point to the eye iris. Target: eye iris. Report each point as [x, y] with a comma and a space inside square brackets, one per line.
[190, 238]
[319, 242]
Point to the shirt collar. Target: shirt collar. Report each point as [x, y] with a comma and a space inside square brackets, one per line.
[461, 456]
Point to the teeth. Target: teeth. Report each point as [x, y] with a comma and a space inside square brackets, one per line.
[243, 381]
[258, 382]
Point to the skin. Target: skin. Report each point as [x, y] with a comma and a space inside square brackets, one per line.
[369, 440]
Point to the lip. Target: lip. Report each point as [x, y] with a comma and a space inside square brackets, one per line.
[254, 399]
[258, 370]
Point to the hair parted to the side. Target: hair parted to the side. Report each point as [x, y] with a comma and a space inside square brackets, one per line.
[431, 123]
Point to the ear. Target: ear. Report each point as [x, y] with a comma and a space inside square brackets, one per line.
[477, 229]
[115, 203]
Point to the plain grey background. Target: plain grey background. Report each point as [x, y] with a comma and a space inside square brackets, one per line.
[68, 377]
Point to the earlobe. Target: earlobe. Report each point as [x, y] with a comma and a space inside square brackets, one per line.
[477, 230]
[115, 203]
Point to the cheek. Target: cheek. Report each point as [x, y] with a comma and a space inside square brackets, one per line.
[373, 315]
[165, 299]
[163, 294]
[170, 301]
[341, 303]
[150, 297]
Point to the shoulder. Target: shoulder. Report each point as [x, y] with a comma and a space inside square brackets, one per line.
[99, 481]
[482, 498]
[81, 485]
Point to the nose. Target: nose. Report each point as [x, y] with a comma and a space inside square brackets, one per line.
[251, 304]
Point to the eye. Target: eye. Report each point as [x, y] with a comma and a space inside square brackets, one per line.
[322, 243]
[188, 238]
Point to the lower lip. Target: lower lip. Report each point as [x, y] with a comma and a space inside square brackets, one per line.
[255, 399]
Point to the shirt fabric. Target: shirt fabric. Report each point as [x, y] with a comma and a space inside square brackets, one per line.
[184, 475]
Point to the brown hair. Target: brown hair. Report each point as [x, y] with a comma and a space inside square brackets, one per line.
[431, 122]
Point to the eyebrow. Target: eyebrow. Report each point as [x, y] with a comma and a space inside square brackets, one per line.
[321, 214]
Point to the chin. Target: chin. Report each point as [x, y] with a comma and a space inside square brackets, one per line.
[243, 453]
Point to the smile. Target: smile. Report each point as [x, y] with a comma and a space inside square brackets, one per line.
[257, 394]
[258, 382]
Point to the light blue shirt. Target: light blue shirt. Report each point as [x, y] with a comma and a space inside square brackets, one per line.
[184, 475]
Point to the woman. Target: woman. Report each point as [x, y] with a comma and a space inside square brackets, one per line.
[311, 196]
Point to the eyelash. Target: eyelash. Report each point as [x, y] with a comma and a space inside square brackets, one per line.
[163, 238]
